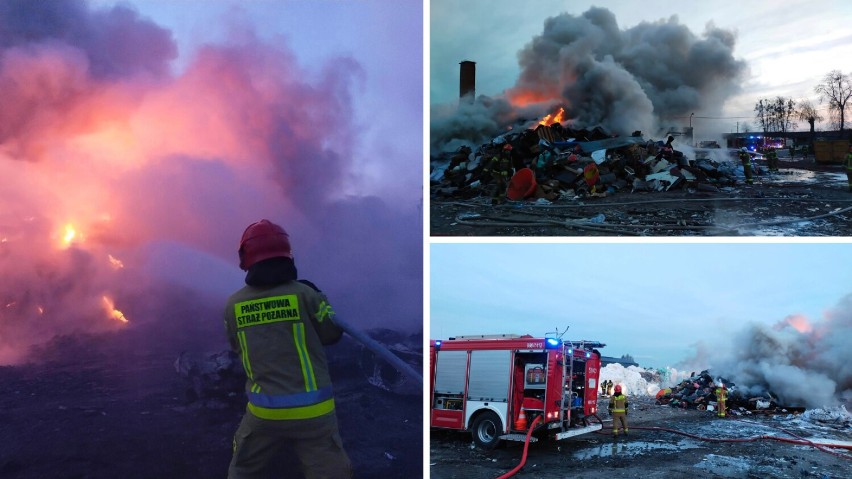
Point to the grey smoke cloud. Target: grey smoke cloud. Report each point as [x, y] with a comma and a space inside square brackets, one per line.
[624, 80]
[163, 171]
[802, 362]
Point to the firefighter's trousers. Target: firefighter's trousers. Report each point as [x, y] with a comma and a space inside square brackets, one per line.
[619, 418]
[747, 171]
[315, 441]
[721, 408]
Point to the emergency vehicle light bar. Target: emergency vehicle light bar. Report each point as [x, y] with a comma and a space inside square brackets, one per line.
[552, 343]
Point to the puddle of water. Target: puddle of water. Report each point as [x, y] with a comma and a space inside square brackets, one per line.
[737, 467]
[628, 448]
[807, 177]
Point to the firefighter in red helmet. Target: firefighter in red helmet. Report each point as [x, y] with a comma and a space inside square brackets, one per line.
[618, 410]
[279, 325]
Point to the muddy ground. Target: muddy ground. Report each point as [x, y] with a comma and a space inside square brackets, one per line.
[113, 406]
[803, 199]
[651, 454]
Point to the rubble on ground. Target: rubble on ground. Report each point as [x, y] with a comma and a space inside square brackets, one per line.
[698, 391]
[554, 162]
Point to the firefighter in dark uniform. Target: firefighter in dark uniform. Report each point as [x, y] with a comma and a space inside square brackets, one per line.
[721, 397]
[499, 168]
[618, 410]
[772, 159]
[745, 158]
[279, 325]
[849, 168]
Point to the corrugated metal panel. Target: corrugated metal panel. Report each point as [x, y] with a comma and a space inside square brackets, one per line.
[489, 375]
[450, 369]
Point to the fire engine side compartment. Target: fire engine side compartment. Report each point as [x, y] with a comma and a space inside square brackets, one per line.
[469, 382]
[450, 387]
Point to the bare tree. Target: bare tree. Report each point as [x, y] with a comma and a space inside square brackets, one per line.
[775, 115]
[807, 112]
[836, 89]
[783, 109]
[761, 114]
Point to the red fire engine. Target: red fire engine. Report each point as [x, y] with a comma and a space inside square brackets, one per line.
[482, 384]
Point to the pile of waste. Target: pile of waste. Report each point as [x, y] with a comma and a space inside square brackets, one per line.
[554, 162]
[699, 392]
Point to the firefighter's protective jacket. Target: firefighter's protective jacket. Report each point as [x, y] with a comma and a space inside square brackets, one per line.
[618, 403]
[279, 333]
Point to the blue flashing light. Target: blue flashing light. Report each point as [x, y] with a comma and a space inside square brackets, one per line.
[570, 350]
[588, 355]
[438, 343]
[551, 343]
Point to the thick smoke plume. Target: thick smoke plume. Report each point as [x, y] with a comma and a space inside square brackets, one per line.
[127, 181]
[800, 361]
[623, 80]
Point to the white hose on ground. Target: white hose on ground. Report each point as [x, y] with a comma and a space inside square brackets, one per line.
[379, 350]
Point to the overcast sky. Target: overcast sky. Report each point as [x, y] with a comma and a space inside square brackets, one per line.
[651, 300]
[789, 45]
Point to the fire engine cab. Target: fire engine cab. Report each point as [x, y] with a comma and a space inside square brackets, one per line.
[483, 384]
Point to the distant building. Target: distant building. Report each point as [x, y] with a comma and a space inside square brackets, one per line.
[605, 360]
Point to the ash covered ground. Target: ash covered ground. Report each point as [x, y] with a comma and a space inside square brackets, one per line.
[113, 405]
[655, 454]
[802, 199]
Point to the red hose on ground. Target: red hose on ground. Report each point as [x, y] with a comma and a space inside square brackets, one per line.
[802, 442]
[526, 447]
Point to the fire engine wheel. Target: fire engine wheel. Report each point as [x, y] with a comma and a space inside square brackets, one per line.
[486, 430]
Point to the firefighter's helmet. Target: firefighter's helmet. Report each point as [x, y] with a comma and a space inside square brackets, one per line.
[618, 389]
[263, 240]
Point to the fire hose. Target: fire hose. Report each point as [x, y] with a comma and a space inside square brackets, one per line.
[526, 448]
[800, 441]
[380, 350]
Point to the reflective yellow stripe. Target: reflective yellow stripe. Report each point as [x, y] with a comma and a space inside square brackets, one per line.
[255, 388]
[241, 336]
[304, 412]
[304, 357]
[618, 410]
[324, 311]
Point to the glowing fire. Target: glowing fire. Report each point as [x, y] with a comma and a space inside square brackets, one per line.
[800, 323]
[114, 313]
[522, 98]
[552, 118]
[70, 234]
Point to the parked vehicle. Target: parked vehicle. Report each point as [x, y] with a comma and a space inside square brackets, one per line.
[495, 386]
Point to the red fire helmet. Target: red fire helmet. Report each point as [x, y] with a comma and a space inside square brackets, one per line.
[618, 389]
[263, 240]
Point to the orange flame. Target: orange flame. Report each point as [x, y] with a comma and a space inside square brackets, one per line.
[800, 324]
[522, 98]
[552, 118]
[70, 234]
[114, 313]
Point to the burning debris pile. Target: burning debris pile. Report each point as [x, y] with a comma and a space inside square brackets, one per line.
[594, 86]
[794, 364]
[699, 392]
[552, 162]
